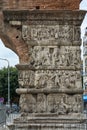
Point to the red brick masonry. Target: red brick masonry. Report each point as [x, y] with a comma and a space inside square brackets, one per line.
[41, 4]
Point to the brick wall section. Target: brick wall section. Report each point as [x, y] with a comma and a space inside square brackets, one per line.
[43, 4]
[9, 35]
[20, 47]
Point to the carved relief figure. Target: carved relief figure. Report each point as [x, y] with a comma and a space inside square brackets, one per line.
[64, 104]
[28, 103]
[26, 79]
[54, 56]
[42, 33]
[58, 79]
[41, 103]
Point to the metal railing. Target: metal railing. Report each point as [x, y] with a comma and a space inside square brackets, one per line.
[2, 115]
[10, 118]
[7, 118]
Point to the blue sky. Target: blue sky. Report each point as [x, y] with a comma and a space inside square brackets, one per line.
[6, 53]
[13, 59]
[83, 6]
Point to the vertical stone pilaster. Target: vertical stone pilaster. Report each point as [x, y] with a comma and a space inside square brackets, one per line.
[52, 77]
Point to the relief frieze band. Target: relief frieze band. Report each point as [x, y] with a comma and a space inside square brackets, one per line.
[59, 79]
[60, 104]
[50, 79]
[41, 33]
[58, 57]
[64, 104]
[51, 35]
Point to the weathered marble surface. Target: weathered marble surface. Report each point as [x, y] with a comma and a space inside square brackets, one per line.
[60, 104]
[60, 79]
[52, 34]
[51, 80]
[50, 57]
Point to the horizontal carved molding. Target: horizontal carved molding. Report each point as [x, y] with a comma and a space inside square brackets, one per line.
[48, 91]
[55, 43]
[29, 67]
[49, 119]
[63, 16]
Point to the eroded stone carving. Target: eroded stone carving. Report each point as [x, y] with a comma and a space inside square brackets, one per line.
[26, 78]
[58, 79]
[60, 104]
[28, 103]
[64, 104]
[41, 103]
[46, 34]
[50, 79]
[55, 56]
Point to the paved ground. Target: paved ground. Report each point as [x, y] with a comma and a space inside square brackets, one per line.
[3, 128]
[9, 120]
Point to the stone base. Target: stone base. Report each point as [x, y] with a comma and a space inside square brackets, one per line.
[49, 123]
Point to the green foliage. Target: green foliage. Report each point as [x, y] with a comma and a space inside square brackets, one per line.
[13, 83]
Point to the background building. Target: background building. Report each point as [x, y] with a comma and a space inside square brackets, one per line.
[85, 60]
[85, 69]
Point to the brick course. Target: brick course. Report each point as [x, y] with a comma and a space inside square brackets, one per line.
[42, 4]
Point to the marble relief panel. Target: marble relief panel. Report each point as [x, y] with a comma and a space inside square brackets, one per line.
[60, 104]
[41, 103]
[64, 104]
[28, 103]
[55, 56]
[57, 79]
[26, 78]
[40, 33]
[50, 79]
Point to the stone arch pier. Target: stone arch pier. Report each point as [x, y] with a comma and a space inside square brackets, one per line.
[46, 37]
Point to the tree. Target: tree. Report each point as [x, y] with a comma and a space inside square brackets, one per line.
[13, 84]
